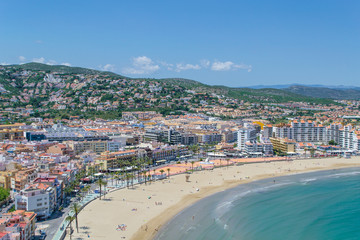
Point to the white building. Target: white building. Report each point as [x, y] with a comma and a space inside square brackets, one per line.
[246, 135]
[333, 132]
[347, 137]
[34, 200]
[301, 131]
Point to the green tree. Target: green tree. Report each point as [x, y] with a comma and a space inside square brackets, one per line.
[4, 194]
[76, 209]
[70, 219]
[100, 182]
[192, 166]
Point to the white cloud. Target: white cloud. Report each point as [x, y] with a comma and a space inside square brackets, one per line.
[205, 63]
[22, 58]
[39, 60]
[181, 67]
[108, 67]
[142, 65]
[4, 63]
[145, 65]
[228, 65]
[169, 66]
[66, 64]
[221, 66]
[244, 66]
[39, 41]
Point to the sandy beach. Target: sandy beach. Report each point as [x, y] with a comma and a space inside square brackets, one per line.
[145, 208]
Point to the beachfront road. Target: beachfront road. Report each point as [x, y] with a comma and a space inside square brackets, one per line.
[51, 225]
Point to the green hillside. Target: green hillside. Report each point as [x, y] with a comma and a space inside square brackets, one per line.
[322, 92]
[265, 95]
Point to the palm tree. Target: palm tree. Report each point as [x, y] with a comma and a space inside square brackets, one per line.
[148, 160]
[154, 174]
[76, 209]
[206, 148]
[87, 188]
[101, 183]
[162, 171]
[195, 149]
[137, 169]
[68, 191]
[192, 166]
[127, 177]
[132, 176]
[112, 174]
[101, 166]
[168, 170]
[312, 152]
[149, 177]
[70, 219]
[104, 184]
[83, 192]
[144, 174]
[117, 178]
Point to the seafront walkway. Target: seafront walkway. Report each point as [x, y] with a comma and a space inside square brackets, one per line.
[61, 232]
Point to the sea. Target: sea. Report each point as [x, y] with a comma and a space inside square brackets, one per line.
[323, 205]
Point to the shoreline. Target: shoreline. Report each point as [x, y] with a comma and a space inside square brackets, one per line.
[176, 194]
[189, 200]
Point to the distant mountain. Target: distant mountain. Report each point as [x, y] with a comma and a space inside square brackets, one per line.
[323, 92]
[283, 86]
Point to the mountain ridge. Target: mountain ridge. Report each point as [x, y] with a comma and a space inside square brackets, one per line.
[246, 94]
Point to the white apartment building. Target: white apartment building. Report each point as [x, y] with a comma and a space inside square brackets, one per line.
[246, 135]
[283, 131]
[95, 146]
[333, 132]
[256, 147]
[301, 131]
[267, 131]
[347, 137]
[34, 200]
[308, 131]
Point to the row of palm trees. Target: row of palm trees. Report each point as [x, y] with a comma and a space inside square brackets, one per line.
[76, 209]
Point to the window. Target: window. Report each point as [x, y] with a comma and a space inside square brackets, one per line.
[39, 204]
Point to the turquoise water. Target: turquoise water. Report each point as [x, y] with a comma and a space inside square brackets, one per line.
[315, 206]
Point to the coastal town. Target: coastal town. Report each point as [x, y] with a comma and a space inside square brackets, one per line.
[48, 163]
[179, 120]
[69, 137]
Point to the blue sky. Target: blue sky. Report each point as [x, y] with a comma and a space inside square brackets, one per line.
[233, 43]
